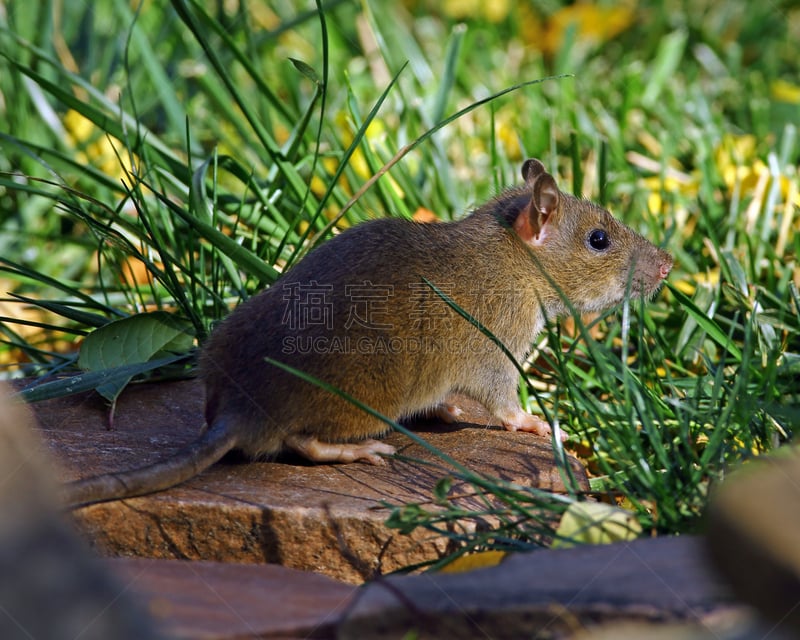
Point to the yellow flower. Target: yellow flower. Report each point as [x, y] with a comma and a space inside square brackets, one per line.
[358, 162]
[674, 181]
[263, 16]
[493, 11]
[95, 147]
[689, 285]
[331, 212]
[783, 91]
[684, 286]
[496, 10]
[318, 186]
[593, 25]
[79, 127]
[738, 163]
[508, 137]
[472, 561]
[330, 165]
[374, 137]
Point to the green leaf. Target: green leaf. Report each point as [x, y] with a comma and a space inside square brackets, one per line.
[708, 325]
[448, 80]
[595, 523]
[670, 52]
[18, 270]
[65, 310]
[132, 340]
[406, 518]
[442, 490]
[244, 258]
[305, 69]
[93, 380]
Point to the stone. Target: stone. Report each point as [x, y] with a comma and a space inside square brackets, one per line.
[197, 599]
[548, 594]
[656, 588]
[753, 535]
[324, 518]
[51, 586]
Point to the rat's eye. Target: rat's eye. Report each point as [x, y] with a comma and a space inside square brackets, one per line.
[598, 240]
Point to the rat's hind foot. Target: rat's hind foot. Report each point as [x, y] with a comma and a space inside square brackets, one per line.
[520, 420]
[367, 450]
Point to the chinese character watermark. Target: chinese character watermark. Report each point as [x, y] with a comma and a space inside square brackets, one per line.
[368, 301]
[429, 310]
[308, 305]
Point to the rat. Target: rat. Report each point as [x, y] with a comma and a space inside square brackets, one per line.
[361, 314]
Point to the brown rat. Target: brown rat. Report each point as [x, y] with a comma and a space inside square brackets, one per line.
[358, 314]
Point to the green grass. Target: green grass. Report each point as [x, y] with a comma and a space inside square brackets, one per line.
[179, 156]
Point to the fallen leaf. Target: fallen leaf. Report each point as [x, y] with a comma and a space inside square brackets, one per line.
[595, 523]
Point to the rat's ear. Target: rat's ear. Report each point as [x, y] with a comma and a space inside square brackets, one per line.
[545, 195]
[534, 222]
[531, 169]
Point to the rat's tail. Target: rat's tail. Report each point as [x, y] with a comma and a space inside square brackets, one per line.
[184, 464]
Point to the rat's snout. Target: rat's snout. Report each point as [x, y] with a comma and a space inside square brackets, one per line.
[650, 270]
[665, 265]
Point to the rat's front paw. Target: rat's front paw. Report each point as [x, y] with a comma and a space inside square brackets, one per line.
[520, 420]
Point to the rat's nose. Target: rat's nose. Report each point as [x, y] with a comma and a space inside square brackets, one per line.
[665, 266]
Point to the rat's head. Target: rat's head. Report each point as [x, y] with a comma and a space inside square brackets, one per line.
[591, 256]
